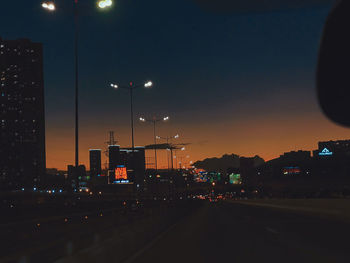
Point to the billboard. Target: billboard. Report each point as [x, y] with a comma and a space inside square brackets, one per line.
[121, 175]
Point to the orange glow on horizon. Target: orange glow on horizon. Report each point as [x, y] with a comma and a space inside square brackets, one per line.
[268, 137]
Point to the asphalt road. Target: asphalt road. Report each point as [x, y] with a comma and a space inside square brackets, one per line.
[226, 232]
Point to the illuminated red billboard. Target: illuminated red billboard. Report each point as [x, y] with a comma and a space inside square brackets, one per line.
[121, 173]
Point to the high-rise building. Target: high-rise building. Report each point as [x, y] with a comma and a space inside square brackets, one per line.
[95, 162]
[22, 120]
[113, 156]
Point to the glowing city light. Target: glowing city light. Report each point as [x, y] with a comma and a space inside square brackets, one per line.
[148, 84]
[142, 119]
[49, 6]
[166, 118]
[105, 3]
[325, 152]
[114, 86]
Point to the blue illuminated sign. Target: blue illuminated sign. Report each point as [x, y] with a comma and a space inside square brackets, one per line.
[325, 152]
[121, 182]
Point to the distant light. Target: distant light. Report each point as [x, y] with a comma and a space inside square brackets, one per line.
[114, 86]
[166, 118]
[49, 6]
[60, 190]
[34, 188]
[148, 84]
[22, 189]
[183, 148]
[105, 3]
[142, 119]
[176, 136]
[157, 137]
[325, 152]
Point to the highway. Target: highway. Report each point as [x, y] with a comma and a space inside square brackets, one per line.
[229, 232]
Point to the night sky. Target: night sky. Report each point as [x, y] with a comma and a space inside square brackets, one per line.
[240, 82]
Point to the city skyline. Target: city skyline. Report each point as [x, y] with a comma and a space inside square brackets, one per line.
[262, 74]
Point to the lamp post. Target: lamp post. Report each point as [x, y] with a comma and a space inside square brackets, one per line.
[154, 120]
[50, 6]
[177, 157]
[131, 88]
[171, 148]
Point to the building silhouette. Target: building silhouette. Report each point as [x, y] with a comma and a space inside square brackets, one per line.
[22, 120]
[95, 163]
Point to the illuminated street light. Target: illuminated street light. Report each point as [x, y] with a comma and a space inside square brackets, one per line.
[104, 3]
[154, 120]
[49, 6]
[131, 88]
[148, 84]
[171, 147]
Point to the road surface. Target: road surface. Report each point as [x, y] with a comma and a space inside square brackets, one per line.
[226, 232]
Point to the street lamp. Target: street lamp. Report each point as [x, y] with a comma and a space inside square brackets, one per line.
[154, 120]
[131, 88]
[179, 157]
[104, 3]
[171, 147]
[50, 6]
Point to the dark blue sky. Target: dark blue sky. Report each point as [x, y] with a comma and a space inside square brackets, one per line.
[205, 65]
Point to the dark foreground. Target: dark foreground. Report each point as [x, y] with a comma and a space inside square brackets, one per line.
[181, 231]
[226, 232]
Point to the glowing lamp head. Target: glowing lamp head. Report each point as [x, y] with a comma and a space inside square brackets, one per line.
[49, 6]
[142, 119]
[114, 86]
[176, 136]
[148, 84]
[104, 3]
[166, 118]
[183, 148]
